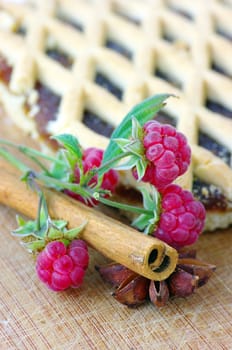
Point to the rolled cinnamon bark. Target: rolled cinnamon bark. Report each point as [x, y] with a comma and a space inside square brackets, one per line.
[143, 254]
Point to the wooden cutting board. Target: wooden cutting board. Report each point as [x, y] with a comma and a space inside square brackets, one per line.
[31, 317]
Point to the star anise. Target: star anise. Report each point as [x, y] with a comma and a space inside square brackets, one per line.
[132, 289]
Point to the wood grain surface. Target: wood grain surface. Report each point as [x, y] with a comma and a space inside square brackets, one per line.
[31, 317]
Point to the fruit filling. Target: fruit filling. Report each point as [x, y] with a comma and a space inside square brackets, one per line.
[218, 108]
[93, 122]
[211, 196]
[216, 148]
[104, 82]
[119, 48]
[5, 71]
[168, 78]
[61, 57]
[48, 103]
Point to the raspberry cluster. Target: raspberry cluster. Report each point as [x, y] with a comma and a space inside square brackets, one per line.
[182, 217]
[61, 267]
[92, 158]
[168, 155]
[167, 151]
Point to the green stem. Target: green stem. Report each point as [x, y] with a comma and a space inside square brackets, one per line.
[110, 163]
[13, 160]
[117, 205]
[30, 151]
[52, 182]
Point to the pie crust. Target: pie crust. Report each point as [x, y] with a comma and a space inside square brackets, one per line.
[97, 59]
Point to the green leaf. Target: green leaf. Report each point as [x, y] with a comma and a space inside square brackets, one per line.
[71, 143]
[142, 112]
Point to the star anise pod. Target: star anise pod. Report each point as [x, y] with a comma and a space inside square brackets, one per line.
[132, 289]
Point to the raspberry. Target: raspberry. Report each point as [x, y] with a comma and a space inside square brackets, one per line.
[60, 267]
[92, 158]
[182, 217]
[167, 151]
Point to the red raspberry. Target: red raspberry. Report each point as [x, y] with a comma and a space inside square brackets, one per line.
[182, 217]
[92, 158]
[60, 267]
[167, 151]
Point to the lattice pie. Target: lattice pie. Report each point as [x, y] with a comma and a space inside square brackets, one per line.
[79, 66]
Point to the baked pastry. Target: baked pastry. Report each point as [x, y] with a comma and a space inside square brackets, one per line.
[78, 66]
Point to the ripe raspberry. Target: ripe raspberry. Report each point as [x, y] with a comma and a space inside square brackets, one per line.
[60, 267]
[182, 217]
[167, 152]
[92, 158]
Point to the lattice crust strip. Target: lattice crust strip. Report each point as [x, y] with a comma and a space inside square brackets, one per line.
[142, 48]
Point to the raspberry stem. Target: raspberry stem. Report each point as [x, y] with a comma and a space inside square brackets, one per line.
[117, 205]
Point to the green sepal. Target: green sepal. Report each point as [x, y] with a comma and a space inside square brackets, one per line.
[127, 163]
[141, 166]
[74, 233]
[142, 112]
[151, 202]
[137, 130]
[25, 229]
[60, 168]
[34, 246]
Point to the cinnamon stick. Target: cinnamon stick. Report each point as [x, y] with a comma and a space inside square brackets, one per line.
[143, 254]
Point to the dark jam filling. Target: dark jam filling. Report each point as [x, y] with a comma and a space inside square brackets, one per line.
[218, 108]
[48, 103]
[5, 71]
[93, 122]
[166, 77]
[70, 22]
[220, 70]
[164, 118]
[210, 195]
[119, 48]
[216, 148]
[104, 82]
[61, 57]
[225, 35]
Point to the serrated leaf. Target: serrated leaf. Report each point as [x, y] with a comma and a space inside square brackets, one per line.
[142, 112]
[71, 143]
